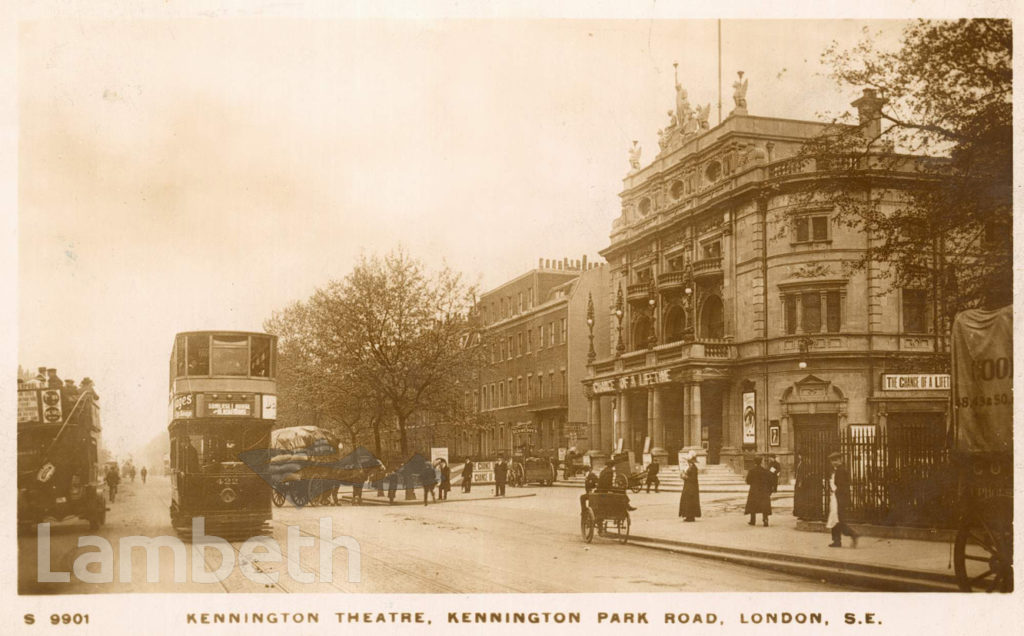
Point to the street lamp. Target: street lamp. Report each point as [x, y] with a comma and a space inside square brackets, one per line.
[591, 355]
[805, 345]
[620, 346]
[652, 339]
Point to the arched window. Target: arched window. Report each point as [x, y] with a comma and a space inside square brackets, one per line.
[712, 318]
[675, 323]
[641, 333]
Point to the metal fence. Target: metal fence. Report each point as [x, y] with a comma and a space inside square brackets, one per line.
[902, 476]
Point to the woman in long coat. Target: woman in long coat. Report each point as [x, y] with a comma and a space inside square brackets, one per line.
[759, 499]
[689, 501]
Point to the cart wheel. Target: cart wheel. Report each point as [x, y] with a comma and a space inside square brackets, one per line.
[983, 551]
[635, 487]
[277, 497]
[624, 529]
[587, 525]
[300, 495]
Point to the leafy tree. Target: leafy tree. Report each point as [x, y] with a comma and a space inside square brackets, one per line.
[388, 345]
[929, 178]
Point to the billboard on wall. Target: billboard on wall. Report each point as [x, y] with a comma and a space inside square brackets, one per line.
[749, 418]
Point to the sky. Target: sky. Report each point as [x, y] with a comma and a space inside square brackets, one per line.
[183, 174]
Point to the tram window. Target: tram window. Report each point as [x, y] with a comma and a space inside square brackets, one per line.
[259, 359]
[198, 355]
[179, 357]
[230, 355]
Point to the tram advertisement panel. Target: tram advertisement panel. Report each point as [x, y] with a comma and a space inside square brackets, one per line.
[983, 379]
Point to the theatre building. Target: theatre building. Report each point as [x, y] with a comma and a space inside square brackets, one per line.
[736, 321]
[531, 393]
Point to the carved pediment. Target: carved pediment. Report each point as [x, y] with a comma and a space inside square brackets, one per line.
[813, 389]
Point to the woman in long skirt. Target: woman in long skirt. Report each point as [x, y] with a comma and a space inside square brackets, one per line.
[689, 501]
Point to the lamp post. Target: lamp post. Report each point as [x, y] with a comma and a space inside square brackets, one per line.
[591, 354]
[620, 346]
[805, 345]
[652, 302]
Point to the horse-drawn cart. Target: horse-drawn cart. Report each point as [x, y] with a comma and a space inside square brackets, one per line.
[983, 448]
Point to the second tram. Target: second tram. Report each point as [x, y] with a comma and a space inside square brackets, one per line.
[222, 404]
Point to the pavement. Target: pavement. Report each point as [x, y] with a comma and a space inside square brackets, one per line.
[787, 545]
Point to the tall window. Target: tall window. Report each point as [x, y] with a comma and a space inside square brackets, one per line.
[565, 330]
[811, 304]
[511, 344]
[199, 355]
[915, 310]
[815, 311]
[519, 351]
[790, 304]
[529, 341]
[565, 383]
[551, 334]
[811, 227]
[529, 387]
[511, 398]
[520, 396]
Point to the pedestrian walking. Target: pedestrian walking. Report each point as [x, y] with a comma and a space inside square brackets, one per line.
[446, 479]
[689, 501]
[775, 468]
[467, 475]
[357, 488]
[759, 499]
[143, 473]
[652, 476]
[839, 502]
[500, 476]
[429, 479]
[113, 479]
[392, 485]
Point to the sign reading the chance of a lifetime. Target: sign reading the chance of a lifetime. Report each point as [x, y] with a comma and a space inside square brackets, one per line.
[916, 382]
[631, 381]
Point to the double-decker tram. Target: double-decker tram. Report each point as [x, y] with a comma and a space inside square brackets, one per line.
[223, 403]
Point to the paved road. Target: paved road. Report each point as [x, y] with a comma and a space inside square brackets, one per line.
[527, 544]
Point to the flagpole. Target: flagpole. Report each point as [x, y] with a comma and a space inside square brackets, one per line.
[719, 70]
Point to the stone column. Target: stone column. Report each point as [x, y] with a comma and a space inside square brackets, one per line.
[650, 414]
[598, 449]
[695, 415]
[607, 431]
[657, 428]
[624, 422]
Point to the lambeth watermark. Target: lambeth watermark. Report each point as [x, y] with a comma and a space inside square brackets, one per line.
[98, 566]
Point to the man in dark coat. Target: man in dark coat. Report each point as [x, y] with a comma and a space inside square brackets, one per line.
[589, 485]
[759, 499]
[392, 484]
[689, 501]
[775, 468]
[652, 476]
[500, 476]
[606, 480]
[839, 502]
[467, 475]
[429, 479]
[446, 479]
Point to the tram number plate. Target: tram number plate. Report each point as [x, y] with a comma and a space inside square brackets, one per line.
[227, 481]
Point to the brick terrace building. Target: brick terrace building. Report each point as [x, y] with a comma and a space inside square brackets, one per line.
[533, 388]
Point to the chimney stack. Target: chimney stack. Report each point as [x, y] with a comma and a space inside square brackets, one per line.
[869, 112]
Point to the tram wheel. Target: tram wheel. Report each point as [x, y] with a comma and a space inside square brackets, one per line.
[587, 525]
[983, 550]
[277, 497]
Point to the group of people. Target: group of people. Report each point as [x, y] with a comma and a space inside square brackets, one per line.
[763, 481]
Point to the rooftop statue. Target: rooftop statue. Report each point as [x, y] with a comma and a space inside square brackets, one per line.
[703, 113]
[739, 93]
[634, 155]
